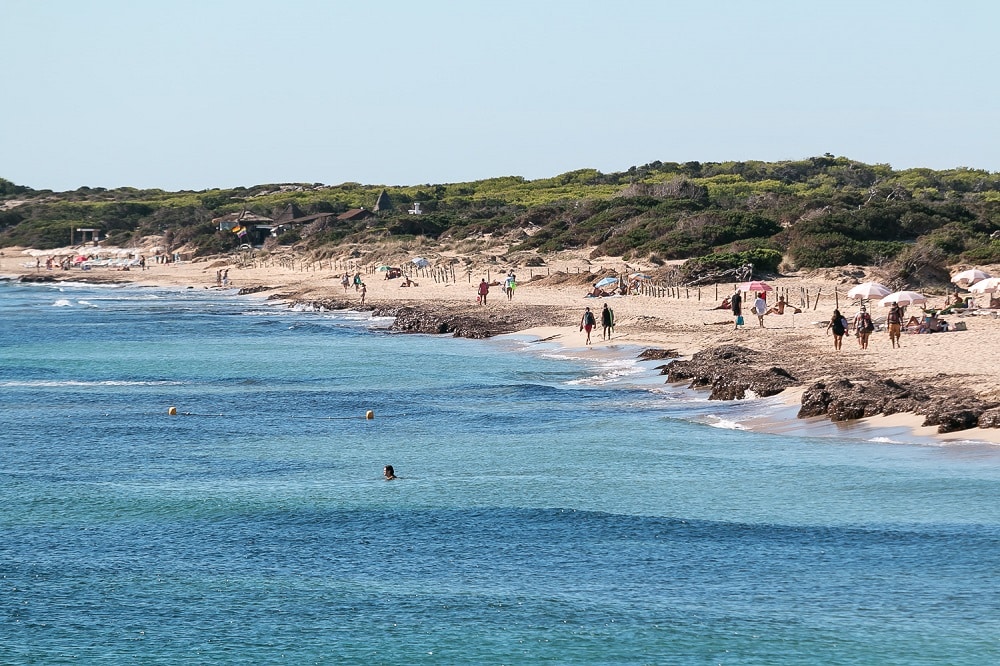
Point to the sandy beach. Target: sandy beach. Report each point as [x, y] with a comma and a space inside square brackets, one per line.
[549, 301]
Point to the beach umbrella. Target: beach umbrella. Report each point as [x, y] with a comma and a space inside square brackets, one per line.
[987, 286]
[969, 277]
[604, 282]
[640, 276]
[869, 290]
[903, 298]
[385, 268]
[755, 285]
[420, 262]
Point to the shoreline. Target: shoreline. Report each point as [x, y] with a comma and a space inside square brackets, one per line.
[549, 312]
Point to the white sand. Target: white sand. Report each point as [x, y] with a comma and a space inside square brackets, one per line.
[960, 360]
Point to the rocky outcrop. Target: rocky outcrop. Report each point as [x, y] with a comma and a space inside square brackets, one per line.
[953, 413]
[844, 399]
[459, 321]
[658, 354]
[414, 320]
[253, 290]
[732, 372]
[990, 418]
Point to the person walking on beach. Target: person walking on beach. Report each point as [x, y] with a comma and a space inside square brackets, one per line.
[345, 281]
[357, 282]
[225, 278]
[837, 324]
[508, 286]
[760, 308]
[607, 322]
[484, 289]
[736, 305]
[587, 323]
[364, 292]
[863, 327]
[894, 323]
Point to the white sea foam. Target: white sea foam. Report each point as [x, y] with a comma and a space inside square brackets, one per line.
[49, 383]
[726, 424]
[62, 303]
[610, 372]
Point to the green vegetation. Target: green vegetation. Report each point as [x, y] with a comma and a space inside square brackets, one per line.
[818, 212]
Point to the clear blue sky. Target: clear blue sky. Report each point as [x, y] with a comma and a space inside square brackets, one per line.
[196, 94]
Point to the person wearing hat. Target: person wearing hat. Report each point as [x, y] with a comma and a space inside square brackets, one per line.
[863, 327]
[894, 323]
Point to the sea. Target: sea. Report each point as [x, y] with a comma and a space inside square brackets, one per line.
[193, 476]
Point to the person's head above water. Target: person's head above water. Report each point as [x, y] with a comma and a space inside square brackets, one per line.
[389, 473]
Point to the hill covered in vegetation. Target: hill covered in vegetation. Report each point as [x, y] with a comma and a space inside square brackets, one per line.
[817, 212]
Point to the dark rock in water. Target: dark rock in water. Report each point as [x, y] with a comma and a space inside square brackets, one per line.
[36, 278]
[253, 290]
[657, 354]
[412, 320]
[731, 371]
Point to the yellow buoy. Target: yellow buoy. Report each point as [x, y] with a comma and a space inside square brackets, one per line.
[172, 411]
[369, 415]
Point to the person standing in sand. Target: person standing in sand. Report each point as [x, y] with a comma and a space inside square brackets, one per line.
[587, 323]
[364, 292]
[607, 322]
[863, 327]
[837, 324]
[894, 324]
[736, 305]
[484, 289]
[760, 308]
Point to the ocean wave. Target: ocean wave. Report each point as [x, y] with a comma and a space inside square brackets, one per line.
[610, 372]
[62, 303]
[725, 424]
[52, 383]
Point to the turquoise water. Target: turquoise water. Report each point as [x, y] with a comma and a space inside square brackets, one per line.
[549, 509]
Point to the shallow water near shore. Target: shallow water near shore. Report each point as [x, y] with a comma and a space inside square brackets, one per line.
[551, 506]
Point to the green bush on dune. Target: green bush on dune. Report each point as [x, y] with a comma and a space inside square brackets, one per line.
[817, 212]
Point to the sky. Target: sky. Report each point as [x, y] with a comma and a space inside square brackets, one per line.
[201, 94]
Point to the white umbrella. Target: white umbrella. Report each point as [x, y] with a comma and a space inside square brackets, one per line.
[869, 290]
[903, 298]
[604, 282]
[988, 285]
[970, 276]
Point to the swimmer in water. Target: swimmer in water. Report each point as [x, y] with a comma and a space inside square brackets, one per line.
[388, 473]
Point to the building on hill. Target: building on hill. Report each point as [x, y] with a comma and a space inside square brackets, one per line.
[356, 214]
[289, 214]
[250, 227]
[242, 219]
[383, 204]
